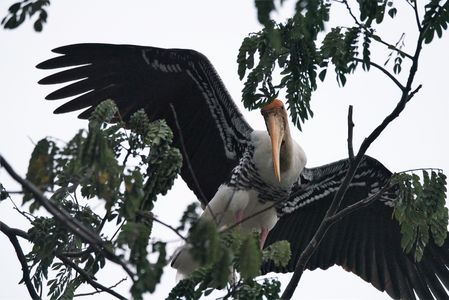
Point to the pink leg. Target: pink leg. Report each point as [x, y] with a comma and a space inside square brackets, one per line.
[239, 216]
[263, 237]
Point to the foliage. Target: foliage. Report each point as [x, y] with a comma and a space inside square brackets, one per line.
[292, 49]
[435, 19]
[127, 169]
[420, 210]
[97, 164]
[20, 11]
[218, 254]
[279, 253]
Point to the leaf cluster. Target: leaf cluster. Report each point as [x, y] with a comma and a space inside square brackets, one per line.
[436, 19]
[20, 11]
[126, 169]
[293, 49]
[420, 210]
[230, 259]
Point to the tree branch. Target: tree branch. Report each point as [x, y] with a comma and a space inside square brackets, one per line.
[97, 292]
[415, 9]
[385, 71]
[360, 204]
[350, 134]
[203, 198]
[90, 278]
[369, 33]
[148, 215]
[12, 233]
[66, 220]
[338, 198]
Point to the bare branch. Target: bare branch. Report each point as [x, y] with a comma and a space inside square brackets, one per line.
[12, 235]
[385, 71]
[78, 253]
[203, 198]
[89, 278]
[415, 9]
[204, 201]
[148, 215]
[99, 291]
[360, 204]
[369, 33]
[350, 134]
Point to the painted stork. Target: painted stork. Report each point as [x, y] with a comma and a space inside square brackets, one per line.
[232, 161]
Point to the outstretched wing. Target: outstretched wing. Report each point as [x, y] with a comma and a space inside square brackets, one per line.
[214, 132]
[366, 242]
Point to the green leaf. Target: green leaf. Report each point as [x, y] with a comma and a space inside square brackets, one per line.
[322, 74]
[222, 269]
[38, 26]
[291, 47]
[205, 242]
[250, 258]
[420, 210]
[392, 12]
[3, 193]
[264, 8]
[279, 253]
[14, 8]
[41, 168]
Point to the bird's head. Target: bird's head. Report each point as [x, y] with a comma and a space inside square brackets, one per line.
[276, 121]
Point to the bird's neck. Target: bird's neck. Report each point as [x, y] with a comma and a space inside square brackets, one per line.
[286, 153]
[292, 159]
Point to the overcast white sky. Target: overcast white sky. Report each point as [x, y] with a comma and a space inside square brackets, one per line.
[216, 28]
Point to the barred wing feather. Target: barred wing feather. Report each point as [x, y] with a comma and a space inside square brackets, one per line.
[367, 242]
[135, 77]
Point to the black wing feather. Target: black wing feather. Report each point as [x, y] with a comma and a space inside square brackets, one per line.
[135, 77]
[366, 243]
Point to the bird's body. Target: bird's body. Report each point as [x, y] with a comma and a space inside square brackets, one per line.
[236, 171]
[252, 186]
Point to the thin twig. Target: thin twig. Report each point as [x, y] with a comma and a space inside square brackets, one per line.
[369, 33]
[97, 292]
[166, 225]
[204, 201]
[90, 278]
[421, 169]
[203, 198]
[118, 229]
[350, 134]
[25, 214]
[76, 254]
[15, 192]
[415, 9]
[12, 235]
[360, 204]
[385, 71]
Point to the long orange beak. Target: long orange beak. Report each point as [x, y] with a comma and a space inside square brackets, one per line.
[276, 130]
